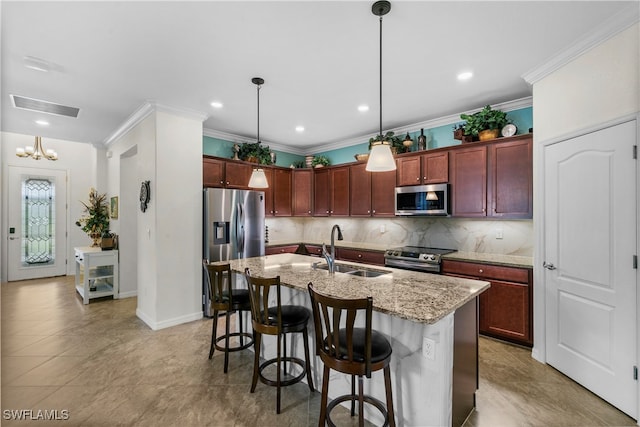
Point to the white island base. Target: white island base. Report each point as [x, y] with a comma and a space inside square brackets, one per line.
[423, 386]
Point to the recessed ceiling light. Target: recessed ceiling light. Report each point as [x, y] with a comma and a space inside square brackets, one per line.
[299, 128]
[362, 108]
[465, 75]
[216, 104]
[42, 122]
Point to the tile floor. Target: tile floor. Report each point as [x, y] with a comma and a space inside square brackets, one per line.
[107, 368]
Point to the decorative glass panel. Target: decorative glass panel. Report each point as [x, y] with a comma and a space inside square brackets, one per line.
[38, 216]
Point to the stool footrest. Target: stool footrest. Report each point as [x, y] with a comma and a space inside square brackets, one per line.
[285, 382]
[238, 347]
[349, 397]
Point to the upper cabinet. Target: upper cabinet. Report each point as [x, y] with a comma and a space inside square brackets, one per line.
[282, 191]
[302, 192]
[429, 168]
[469, 181]
[213, 172]
[331, 191]
[510, 183]
[237, 175]
[360, 190]
[383, 192]
[225, 173]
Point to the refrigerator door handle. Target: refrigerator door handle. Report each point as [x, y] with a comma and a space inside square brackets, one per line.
[240, 230]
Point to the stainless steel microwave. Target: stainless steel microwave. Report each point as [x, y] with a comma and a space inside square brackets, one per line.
[423, 200]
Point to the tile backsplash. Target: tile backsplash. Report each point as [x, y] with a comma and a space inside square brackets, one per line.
[471, 235]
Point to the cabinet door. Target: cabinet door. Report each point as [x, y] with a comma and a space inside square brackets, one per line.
[302, 192]
[435, 168]
[468, 169]
[268, 193]
[321, 191]
[340, 191]
[383, 193]
[212, 172]
[237, 175]
[511, 179]
[282, 192]
[360, 190]
[408, 170]
[504, 311]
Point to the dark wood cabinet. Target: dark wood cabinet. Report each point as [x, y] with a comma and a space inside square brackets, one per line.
[302, 192]
[340, 191]
[360, 190]
[360, 255]
[510, 184]
[383, 187]
[506, 308]
[237, 174]
[321, 192]
[213, 172]
[282, 191]
[468, 170]
[408, 170]
[314, 250]
[268, 193]
[281, 249]
[435, 167]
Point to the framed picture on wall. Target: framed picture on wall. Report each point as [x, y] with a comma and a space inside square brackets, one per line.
[114, 207]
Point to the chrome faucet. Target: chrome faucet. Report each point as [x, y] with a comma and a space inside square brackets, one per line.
[331, 257]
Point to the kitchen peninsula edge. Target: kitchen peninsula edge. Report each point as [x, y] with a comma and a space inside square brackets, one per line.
[409, 308]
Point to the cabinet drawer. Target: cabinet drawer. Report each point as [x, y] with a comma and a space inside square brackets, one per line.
[314, 250]
[286, 249]
[511, 274]
[367, 257]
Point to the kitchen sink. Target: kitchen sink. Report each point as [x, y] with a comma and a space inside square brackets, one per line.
[353, 270]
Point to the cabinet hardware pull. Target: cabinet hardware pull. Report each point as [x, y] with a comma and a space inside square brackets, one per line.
[480, 271]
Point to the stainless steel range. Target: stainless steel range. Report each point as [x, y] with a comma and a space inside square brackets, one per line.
[416, 258]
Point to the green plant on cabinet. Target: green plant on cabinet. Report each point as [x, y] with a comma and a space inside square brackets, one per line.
[255, 152]
[485, 119]
[320, 161]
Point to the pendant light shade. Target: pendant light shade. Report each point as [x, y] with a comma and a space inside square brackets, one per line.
[381, 158]
[258, 178]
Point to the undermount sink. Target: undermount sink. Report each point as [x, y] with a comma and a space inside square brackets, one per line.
[353, 270]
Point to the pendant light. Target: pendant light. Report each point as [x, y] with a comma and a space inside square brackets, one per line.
[258, 178]
[37, 152]
[381, 159]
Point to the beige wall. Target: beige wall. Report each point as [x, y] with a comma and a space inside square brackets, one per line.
[601, 85]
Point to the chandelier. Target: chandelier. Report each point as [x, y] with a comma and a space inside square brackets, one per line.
[36, 151]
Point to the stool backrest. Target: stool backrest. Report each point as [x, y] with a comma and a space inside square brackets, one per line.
[330, 317]
[219, 280]
[259, 289]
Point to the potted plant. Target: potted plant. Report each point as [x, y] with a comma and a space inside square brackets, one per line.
[484, 120]
[255, 152]
[96, 220]
[320, 161]
[395, 141]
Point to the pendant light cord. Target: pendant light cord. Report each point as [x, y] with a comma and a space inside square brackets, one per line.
[259, 113]
[381, 137]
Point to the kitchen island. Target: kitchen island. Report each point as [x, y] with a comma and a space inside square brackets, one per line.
[430, 321]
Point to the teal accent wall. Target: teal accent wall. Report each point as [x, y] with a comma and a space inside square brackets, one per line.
[222, 148]
[437, 137]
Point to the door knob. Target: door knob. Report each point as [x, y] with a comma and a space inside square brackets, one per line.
[548, 266]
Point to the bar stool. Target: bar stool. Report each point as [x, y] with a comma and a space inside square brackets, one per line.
[228, 300]
[350, 350]
[278, 320]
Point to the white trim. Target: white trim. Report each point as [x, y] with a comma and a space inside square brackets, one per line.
[170, 322]
[212, 133]
[609, 28]
[143, 112]
[129, 294]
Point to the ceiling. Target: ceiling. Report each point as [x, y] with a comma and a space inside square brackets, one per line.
[319, 60]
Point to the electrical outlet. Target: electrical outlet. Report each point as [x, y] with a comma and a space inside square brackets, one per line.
[428, 348]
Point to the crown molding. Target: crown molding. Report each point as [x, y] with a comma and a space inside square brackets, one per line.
[608, 29]
[243, 139]
[440, 121]
[144, 111]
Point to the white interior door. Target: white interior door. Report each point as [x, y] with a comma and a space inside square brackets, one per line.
[37, 214]
[590, 241]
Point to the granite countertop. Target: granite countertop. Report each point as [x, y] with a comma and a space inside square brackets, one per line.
[419, 297]
[480, 257]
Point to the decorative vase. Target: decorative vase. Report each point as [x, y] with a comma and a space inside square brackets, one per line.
[96, 239]
[308, 160]
[487, 134]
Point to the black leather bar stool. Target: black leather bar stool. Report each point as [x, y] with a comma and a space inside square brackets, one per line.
[350, 350]
[278, 320]
[228, 300]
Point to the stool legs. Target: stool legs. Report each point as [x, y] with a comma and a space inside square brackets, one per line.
[387, 387]
[213, 333]
[257, 340]
[322, 421]
[307, 358]
[226, 342]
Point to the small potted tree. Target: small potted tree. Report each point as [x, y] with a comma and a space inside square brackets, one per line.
[484, 124]
[320, 161]
[96, 220]
[255, 152]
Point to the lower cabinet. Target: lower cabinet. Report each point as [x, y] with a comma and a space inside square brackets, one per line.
[281, 249]
[360, 255]
[506, 308]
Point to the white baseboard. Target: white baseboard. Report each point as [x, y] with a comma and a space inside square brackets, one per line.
[169, 322]
[129, 294]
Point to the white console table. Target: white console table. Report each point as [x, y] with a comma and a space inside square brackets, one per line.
[96, 273]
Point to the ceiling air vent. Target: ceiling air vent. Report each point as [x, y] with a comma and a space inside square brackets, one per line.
[43, 106]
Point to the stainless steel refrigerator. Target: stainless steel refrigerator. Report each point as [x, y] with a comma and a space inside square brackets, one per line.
[233, 228]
